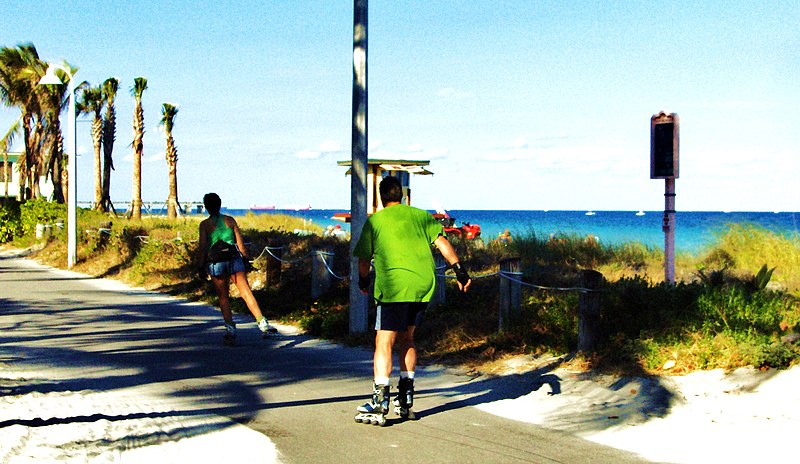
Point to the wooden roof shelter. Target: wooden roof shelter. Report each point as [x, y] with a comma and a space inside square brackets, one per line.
[377, 169]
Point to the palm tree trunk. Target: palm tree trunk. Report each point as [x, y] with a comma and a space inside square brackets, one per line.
[172, 201]
[97, 139]
[138, 148]
[6, 171]
[136, 202]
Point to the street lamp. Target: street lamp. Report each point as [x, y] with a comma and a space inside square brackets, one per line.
[50, 78]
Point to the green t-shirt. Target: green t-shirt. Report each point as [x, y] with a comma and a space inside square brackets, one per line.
[399, 239]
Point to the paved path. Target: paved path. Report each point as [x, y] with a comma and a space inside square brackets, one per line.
[114, 374]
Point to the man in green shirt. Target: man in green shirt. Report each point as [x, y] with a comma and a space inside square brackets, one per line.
[399, 238]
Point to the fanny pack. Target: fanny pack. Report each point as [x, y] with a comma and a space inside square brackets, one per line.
[221, 251]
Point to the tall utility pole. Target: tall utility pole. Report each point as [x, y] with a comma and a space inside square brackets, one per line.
[358, 179]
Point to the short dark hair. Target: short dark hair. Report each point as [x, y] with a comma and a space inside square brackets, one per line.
[212, 202]
[391, 190]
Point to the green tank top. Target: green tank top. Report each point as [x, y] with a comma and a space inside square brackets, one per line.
[221, 232]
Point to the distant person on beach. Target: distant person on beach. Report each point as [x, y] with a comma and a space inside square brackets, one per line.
[399, 238]
[222, 256]
[504, 237]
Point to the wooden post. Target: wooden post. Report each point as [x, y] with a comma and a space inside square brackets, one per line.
[439, 294]
[510, 292]
[359, 304]
[320, 276]
[589, 311]
[273, 271]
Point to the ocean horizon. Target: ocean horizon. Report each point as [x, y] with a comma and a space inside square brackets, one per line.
[694, 230]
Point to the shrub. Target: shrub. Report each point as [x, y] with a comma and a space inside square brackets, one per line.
[633, 305]
[10, 223]
[734, 308]
[40, 211]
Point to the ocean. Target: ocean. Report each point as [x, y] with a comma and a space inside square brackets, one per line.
[694, 230]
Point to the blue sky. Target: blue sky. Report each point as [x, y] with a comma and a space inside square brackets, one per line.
[517, 104]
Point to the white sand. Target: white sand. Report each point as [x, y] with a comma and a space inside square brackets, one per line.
[746, 416]
[132, 425]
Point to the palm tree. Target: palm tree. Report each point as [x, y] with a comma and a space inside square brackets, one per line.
[110, 87]
[168, 113]
[20, 70]
[5, 142]
[139, 86]
[92, 102]
[39, 123]
[52, 99]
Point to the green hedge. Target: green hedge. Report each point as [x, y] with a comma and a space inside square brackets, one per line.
[40, 211]
[10, 224]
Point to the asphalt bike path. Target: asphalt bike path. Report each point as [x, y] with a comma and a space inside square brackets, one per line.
[141, 374]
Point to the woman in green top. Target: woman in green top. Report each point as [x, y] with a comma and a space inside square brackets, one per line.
[222, 228]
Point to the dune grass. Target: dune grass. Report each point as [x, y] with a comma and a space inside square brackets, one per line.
[720, 313]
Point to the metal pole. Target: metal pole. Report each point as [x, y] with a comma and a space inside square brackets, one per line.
[358, 179]
[72, 186]
[669, 230]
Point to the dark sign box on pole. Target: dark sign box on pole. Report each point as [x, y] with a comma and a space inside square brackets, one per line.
[664, 142]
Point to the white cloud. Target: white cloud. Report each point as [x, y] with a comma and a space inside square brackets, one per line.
[520, 142]
[510, 155]
[384, 154]
[326, 147]
[160, 156]
[329, 146]
[308, 154]
[434, 153]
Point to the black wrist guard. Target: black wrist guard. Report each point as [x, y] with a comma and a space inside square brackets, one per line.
[363, 282]
[461, 273]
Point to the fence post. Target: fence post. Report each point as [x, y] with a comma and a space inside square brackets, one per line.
[320, 277]
[510, 291]
[439, 294]
[273, 271]
[589, 311]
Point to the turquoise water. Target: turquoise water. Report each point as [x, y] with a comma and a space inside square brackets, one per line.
[693, 231]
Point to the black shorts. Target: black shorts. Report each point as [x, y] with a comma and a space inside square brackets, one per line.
[398, 317]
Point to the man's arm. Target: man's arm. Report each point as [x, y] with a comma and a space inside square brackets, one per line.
[363, 274]
[449, 254]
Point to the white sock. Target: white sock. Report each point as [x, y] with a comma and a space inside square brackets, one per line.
[407, 375]
[381, 380]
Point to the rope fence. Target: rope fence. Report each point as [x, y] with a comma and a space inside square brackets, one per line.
[510, 284]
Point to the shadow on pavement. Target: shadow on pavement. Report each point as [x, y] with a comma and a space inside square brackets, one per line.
[112, 340]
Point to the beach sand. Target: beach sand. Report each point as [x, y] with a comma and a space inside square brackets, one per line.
[710, 416]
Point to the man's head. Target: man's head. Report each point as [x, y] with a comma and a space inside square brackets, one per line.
[213, 203]
[391, 190]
